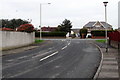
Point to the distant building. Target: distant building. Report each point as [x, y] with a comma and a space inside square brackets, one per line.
[48, 29]
[76, 31]
[6, 29]
[96, 25]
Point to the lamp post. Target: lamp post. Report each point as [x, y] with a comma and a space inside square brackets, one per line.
[105, 4]
[41, 18]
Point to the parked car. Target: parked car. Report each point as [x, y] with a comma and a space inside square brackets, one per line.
[88, 35]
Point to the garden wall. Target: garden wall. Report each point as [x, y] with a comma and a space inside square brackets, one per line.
[114, 39]
[9, 39]
[115, 44]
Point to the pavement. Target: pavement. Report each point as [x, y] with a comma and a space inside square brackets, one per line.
[24, 48]
[109, 63]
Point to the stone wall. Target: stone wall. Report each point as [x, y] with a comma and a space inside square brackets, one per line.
[10, 39]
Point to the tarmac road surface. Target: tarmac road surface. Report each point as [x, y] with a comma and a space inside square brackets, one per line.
[57, 59]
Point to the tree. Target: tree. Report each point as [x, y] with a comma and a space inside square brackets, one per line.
[13, 23]
[26, 28]
[83, 32]
[65, 26]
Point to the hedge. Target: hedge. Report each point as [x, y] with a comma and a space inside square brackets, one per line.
[83, 31]
[99, 32]
[51, 34]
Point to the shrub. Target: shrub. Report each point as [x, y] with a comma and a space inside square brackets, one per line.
[26, 28]
[83, 31]
[99, 32]
[51, 34]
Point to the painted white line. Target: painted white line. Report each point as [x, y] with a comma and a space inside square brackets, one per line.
[19, 62]
[68, 43]
[51, 48]
[29, 70]
[41, 54]
[48, 56]
[54, 76]
[20, 73]
[64, 47]
[22, 57]
[10, 60]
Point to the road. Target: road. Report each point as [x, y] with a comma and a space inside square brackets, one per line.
[55, 59]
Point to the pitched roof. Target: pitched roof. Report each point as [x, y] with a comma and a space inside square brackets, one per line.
[108, 25]
[91, 24]
[49, 28]
[75, 30]
[7, 29]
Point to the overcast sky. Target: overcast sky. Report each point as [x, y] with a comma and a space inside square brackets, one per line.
[79, 12]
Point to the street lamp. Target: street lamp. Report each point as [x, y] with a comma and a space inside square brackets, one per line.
[41, 17]
[105, 4]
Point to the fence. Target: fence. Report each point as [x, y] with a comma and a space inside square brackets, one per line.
[114, 39]
[115, 36]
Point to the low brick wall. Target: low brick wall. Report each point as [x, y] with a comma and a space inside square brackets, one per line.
[115, 44]
[10, 39]
[98, 37]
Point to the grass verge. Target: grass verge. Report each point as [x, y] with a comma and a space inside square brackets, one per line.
[102, 41]
[38, 41]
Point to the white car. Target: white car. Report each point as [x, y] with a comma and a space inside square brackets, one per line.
[88, 35]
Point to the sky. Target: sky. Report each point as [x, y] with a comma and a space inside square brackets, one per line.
[79, 12]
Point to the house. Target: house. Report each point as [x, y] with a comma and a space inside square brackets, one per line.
[76, 31]
[97, 25]
[48, 29]
[6, 29]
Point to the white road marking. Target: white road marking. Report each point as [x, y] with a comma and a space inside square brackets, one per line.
[27, 70]
[48, 56]
[10, 60]
[19, 62]
[51, 48]
[22, 57]
[63, 40]
[64, 47]
[68, 43]
[20, 73]
[41, 54]
[54, 76]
